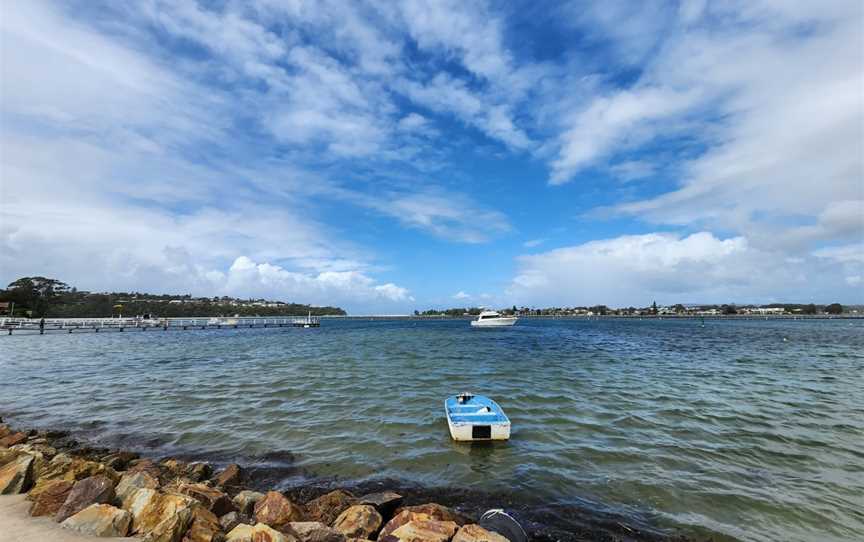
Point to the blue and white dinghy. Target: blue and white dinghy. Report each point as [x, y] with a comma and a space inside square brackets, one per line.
[475, 417]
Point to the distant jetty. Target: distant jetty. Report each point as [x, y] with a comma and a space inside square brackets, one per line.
[8, 326]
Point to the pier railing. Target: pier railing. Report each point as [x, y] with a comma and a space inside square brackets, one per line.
[71, 325]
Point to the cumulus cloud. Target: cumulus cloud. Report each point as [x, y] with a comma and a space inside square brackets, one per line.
[460, 295]
[669, 268]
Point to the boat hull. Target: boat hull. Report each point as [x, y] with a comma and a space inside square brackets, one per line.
[496, 322]
[467, 423]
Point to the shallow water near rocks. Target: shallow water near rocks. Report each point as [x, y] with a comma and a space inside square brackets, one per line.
[742, 429]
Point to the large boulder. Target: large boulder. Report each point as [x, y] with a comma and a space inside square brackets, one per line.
[422, 530]
[327, 508]
[213, 499]
[93, 490]
[148, 466]
[359, 521]
[204, 527]
[132, 482]
[119, 461]
[422, 512]
[100, 520]
[277, 511]
[7, 455]
[475, 533]
[198, 472]
[383, 501]
[16, 476]
[4, 430]
[72, 469]
[138, 501]
[50, 498]
[315, 531]
[11, 440]
[172, 528]
[154, 508]
[257, 533]
[245, 501]
[229, 521]
[230, 477]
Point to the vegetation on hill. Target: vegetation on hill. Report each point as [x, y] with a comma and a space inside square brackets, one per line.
[45, 297]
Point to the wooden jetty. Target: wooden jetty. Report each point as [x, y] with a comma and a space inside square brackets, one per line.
[97, 325]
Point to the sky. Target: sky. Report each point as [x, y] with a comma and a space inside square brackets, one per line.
[392, 156]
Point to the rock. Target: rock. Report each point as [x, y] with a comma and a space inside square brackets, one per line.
[172, 528]
[245, 501]
[99, 520]
[315, 531]
[148, 466]
[64, 467]
[17, 475]
[149, 510]
[476, 533]
[36, 448]
[430, 511]
[7, 455]
[230, 477]
[204, 527]
[50, 498]
[11, 440]
[93, 490]
[229, 521]
[359, 521]
[258, 533]
[327, 508]
[119, 460]
[277, 511]
[198, 472]
[4, 430]
[132, 482]
[139, 500]
[214, 500]
[384, 501]
[240, 533]
[422, 530]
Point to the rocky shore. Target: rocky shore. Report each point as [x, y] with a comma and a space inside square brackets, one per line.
[112, 493]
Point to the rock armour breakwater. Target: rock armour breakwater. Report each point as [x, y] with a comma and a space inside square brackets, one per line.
[112, 493]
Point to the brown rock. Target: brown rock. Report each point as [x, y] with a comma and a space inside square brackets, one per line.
[17, 475]
[150, 508]
[257, 533]
[205, 526]
[422, 530]
[359, 521]
[93, 490]
[230, 477]
[11, 440]
[476, 533]
[214, 500]
[277, 511]
[315, 531]
[384, 501]
[172, 528]
[229, 521]
[430, 511]
[48, 501]
[119, 461]
[132, 482]
[7, 455]
[327, 508]
[148, 466]
[99, 520]
[4, 430]
[64, 467]
[245, 501]
[198, 472]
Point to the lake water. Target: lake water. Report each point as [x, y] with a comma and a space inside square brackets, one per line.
[746, 429]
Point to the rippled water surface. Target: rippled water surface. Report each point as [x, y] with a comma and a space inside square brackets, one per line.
[750, 429]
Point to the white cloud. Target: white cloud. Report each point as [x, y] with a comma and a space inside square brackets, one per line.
[698, 268]
[531, 243]
[460, 295]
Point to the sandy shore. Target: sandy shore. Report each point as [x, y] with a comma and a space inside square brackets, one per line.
[17, 526]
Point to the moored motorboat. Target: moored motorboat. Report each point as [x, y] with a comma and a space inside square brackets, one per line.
[475, 417]
[493, 319]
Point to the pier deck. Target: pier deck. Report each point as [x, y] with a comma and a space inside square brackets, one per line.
[97, 325]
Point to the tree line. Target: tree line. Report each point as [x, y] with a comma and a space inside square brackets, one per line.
[40, 297]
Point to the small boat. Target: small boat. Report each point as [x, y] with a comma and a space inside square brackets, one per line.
[493, 319]
[475, 417]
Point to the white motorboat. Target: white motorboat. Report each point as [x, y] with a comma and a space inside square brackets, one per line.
[493, 319]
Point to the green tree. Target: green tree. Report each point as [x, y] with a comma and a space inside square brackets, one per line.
[654, 308]
[834, 308]
[37, 293]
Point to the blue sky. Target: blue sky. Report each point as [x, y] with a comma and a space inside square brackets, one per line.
[392, 157]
